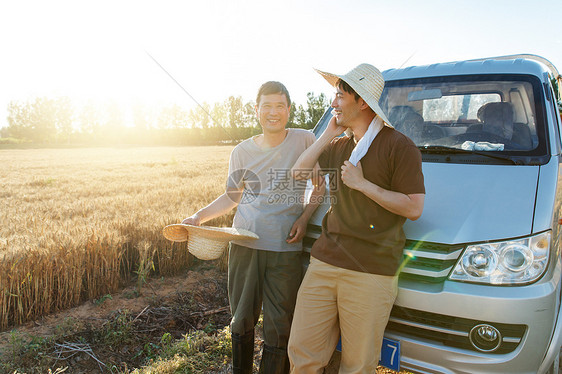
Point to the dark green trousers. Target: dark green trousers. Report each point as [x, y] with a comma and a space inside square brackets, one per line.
[271, 279]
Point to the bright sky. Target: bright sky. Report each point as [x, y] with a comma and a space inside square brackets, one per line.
[218, 48]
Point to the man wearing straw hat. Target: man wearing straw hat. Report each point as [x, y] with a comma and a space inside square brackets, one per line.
[351, 283]
[266, 271]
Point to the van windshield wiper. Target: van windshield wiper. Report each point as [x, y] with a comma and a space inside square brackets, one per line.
[445, 149]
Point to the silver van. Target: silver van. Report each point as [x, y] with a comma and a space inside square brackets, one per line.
[480, 283]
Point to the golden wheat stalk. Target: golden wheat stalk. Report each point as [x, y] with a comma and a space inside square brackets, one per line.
[75, 219]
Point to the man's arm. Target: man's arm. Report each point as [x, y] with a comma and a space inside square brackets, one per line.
[409, 206]
[299, 227]
[308, 159]
[222, 205]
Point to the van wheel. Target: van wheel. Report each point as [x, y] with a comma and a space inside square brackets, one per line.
[555, 365]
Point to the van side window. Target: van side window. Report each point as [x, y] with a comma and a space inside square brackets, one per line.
[556, 115]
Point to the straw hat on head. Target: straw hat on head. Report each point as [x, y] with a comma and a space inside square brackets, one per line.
[205, 242]
[367, 81]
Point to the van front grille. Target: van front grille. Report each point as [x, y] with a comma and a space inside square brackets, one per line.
[447, 330]
[423, 261]
[429, 262]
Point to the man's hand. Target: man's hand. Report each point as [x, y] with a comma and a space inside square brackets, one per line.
[194, 220]
[333, 129]
[352, 176]
[405, 205]
[298, 230]
[308, 159]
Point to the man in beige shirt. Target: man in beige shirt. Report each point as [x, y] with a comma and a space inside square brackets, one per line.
[266, 271]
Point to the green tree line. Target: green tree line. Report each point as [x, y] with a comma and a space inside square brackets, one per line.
[45, 120]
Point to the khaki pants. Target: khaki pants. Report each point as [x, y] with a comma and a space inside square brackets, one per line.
[332, 300]
[257, 277]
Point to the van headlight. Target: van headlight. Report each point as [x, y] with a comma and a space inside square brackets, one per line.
[504, 263]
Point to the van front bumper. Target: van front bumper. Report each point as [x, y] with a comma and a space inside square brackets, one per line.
[433, 324]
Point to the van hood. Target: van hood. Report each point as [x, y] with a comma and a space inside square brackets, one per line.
[470, 203]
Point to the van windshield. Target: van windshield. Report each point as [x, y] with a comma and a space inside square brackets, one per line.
[483, 113]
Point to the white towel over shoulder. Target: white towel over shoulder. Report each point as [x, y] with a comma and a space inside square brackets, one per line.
[364, 143]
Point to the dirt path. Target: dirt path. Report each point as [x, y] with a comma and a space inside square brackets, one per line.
[97, 312]
[173, 305]
[201, 284]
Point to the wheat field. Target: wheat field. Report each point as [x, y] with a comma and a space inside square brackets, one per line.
[77, 223]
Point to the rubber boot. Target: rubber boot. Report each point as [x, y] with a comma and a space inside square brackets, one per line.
[243, 353]
[274, 361]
